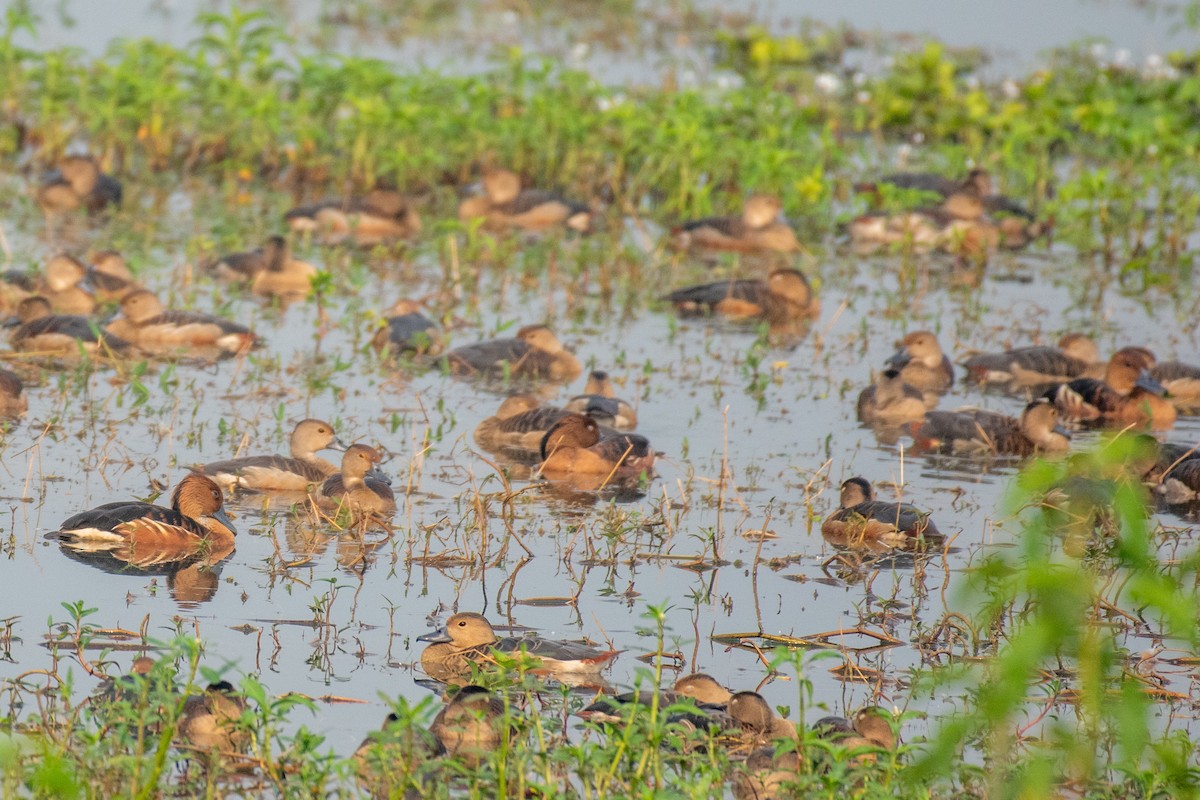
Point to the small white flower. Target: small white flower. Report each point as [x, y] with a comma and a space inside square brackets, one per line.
[828, 83]
[1154, 62]
[1098, 51]
[918, 137]
[1152, 150]
[1011, 89]
[1122, 58]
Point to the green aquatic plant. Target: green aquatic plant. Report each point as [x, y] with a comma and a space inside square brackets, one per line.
[1086, 574]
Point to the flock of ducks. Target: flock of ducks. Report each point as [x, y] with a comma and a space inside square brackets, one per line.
[588, 438]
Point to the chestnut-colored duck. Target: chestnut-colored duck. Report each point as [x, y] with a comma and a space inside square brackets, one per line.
[42, 331]
[504, 204]
[759, 723]
[78, 183]
[147, 324]
[1182, 382]
[381, 216]
[784, 295]
[890, 402]
[923, 365]
[356, 487]
[469, 638]
[195, 519]
[269, 270]
[977, 183]
[13, 402]
[702, 689]
[1126, 396]
[408, 330]
[864, 522]
[1033, 366]
[600, 402]
[535, 353]
[757, 229]
[300, 471]
[575, 446]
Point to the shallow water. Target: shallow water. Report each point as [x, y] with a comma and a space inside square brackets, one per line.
[786, 449]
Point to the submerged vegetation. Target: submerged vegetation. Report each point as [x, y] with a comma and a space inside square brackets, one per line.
[1061, 665]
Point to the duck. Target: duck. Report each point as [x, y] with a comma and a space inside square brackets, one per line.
[889, 401]
[354, 487]
[599, 401]
[574, 445]
[534, 353]
[389, 759]
[759, 724]
[406, 329]
[13, 401]
[196, 519]
[64, 274]
[767, 774]
[210, 719]
[784, 295]
[300, 471]
[146, 323]
[698, 687]
[757, 229]
[40, 330]
[977, 183]
[1182, 382]
[269, 269]
[382, 216]
[469, 638]
[78, 183]
[16, 285]
[110, 277]
[504, 204]
[863, 521]
[473, 724]
[1037, 365]
[871, 730]
[1180, 482]
[922, 365]
[521, 423]
[1126, 396]
[973, 431]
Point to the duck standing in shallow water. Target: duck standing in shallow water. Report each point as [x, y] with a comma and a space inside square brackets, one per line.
[62, 286]
[406, 329]
[78, 183]
[196, 519]
[864, 522]
[923, 366]
[266, 473]
[269, 270]
[356, 488]
[574, 446]
[505, 205]
[469, 638]
[757, 229]
[784, 296]
[973, 431]
[534, 354]
[147, 324]
[379, 217]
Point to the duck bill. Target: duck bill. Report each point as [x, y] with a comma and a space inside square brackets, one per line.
[1061, 431]
[220, 516]
[898, 360]
[435, 637]
[337, 445]
[1148, 384]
